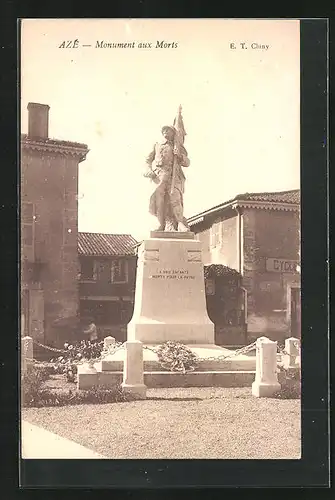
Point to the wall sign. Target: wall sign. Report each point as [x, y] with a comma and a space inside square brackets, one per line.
[281, 265]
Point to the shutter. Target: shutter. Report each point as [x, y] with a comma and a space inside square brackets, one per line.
[28, 231]
[215, 235]
[36, 313]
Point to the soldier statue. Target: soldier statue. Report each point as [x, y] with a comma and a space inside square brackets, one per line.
[168, 157]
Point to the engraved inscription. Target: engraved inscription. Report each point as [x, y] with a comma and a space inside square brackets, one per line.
[173, 274]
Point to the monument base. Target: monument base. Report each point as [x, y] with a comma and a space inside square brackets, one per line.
[213, 358]
[170, 305]
[170, 301]
[264, 389]
[138, 390]
[215, 369]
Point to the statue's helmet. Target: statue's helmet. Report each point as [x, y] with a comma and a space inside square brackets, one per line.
[168, 127]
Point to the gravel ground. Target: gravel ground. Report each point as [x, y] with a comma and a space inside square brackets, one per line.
[181, 423]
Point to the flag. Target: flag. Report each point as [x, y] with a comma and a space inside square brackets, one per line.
[178, 124]
[179, 138]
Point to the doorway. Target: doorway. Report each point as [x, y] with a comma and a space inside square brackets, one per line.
[295, 312]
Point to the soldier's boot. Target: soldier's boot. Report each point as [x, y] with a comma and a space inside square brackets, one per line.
[161, 218]
[171, 224]
[183, 226]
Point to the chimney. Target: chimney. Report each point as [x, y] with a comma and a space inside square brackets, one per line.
[38, 120]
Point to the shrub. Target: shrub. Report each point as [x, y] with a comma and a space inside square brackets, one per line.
[175, 356]
[95, 395]
[75, 353]
[64, 366]
[44, 370]
[290, 381]
[31, 383]
[84, 349]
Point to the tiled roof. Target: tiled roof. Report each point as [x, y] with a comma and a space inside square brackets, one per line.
[53, 142]
[292, 196]
[286, 200]
[75, 149]
[106, 244]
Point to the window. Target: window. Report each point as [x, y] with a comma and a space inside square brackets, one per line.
[215, 238]
[119, 271]
[27, 227]
[27, 212]
[27, 235]
[88, 270]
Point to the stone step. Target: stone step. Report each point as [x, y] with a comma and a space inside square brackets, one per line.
[193, 379]
[245, 364]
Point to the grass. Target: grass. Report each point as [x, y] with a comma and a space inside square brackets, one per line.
[223, 423]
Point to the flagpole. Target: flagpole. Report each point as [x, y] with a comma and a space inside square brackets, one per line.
[175, 144]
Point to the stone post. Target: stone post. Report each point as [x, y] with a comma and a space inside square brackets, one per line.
[88, 376]
[108, 341]
[26, 352]
[133, 381]
[266, 381]
[292, 349]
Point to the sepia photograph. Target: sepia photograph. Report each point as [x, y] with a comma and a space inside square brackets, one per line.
[160, 303]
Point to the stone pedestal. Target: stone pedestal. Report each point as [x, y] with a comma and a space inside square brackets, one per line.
[170, 302]
[292, 350]
[87, 376]
[133, 381]
[26, 352]
[266, 382]
[108, 342]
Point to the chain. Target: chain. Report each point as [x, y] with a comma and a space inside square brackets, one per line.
[282, 351]
[53, 349]
[246, 349]
[109, 352]
[33, 360]
[238, 352]
[232, 354]
[112, 349]
[106, 352]
[285, 353]
[150, 349]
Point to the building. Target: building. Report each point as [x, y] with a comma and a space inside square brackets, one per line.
[49, 227]
[107, 281]
[251, 248]
[256, 235]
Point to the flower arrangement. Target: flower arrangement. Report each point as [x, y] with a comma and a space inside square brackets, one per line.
[175, 356]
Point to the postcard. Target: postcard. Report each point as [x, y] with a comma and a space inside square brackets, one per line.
[160, 239]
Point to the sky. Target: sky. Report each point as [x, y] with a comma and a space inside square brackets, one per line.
[241, 107]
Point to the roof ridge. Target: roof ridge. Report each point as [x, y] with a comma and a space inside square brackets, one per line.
[106, 234]
[52, 140]
[105, 244]
[290, 197]
[268, 192]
